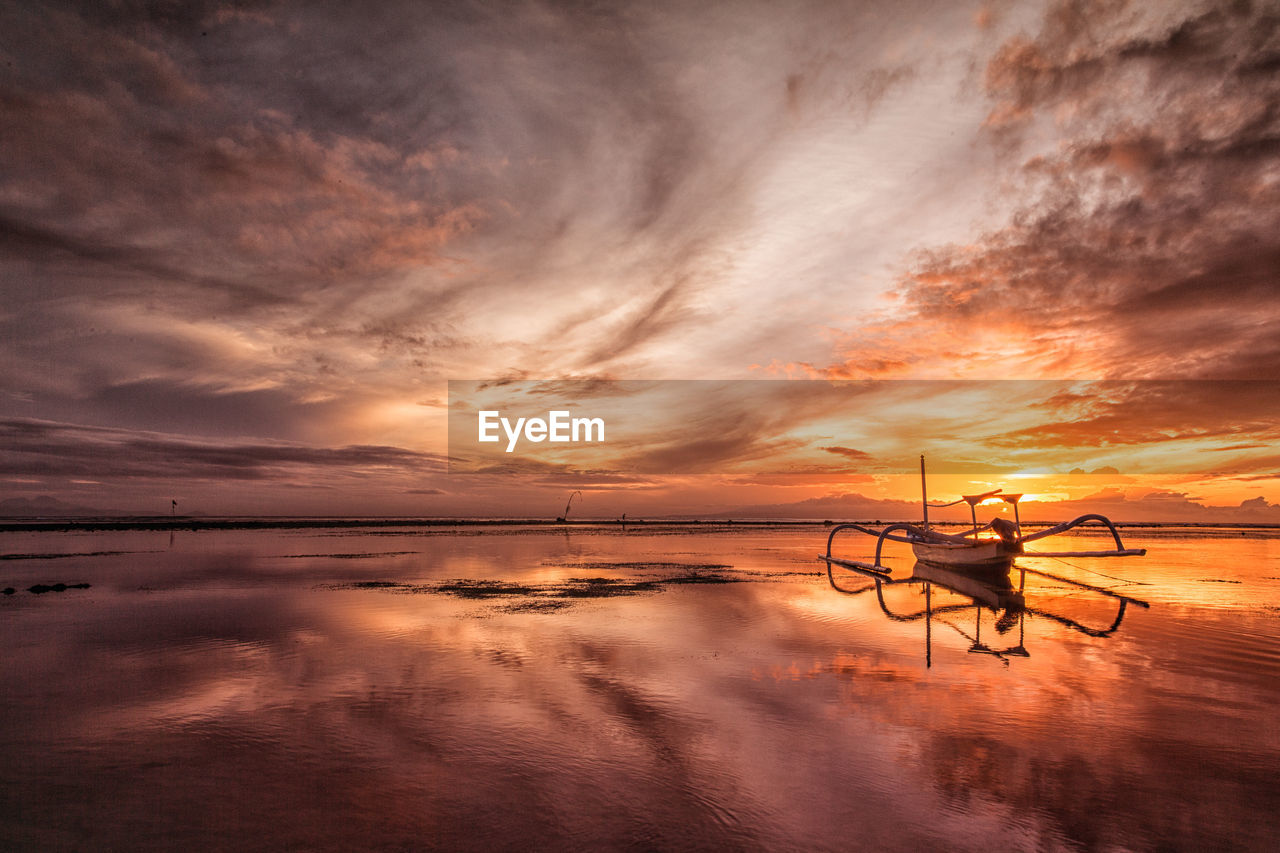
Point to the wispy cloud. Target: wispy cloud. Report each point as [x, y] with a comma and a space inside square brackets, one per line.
[1142, 241]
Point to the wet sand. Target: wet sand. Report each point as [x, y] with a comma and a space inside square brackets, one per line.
[588, 687]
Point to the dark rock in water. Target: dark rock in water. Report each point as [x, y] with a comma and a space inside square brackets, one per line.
[40, 588]
[8, 590]
[464, 588]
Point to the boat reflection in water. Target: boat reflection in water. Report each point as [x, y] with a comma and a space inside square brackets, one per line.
[989, 589]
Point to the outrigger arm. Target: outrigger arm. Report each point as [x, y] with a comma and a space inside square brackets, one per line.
[1120, 550]
[910, 533]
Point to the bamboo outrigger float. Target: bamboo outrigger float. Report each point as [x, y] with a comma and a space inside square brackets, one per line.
[972, 550]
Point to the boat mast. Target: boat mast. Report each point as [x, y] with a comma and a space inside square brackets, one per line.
[1013, 499]
[924, 494]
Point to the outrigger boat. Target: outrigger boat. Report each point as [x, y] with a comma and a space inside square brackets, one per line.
[972, 551]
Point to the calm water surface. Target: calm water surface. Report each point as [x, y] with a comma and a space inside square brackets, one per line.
[515, 688]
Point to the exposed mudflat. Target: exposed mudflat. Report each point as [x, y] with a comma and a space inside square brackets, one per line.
[538, 595]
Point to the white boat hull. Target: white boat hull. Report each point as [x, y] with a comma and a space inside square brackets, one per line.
[987, 553]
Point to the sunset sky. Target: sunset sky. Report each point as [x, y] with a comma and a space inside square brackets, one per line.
[244, 246]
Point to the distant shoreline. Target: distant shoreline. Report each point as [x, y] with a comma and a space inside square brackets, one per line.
[283, 522]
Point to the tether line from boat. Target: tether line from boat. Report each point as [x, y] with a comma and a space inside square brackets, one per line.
[1099, 574]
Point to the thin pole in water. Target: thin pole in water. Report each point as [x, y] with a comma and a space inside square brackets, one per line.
[924, 494]
[928, 627]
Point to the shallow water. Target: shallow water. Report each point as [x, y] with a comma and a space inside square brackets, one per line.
[649, 688]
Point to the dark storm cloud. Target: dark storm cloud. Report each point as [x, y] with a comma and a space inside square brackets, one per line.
[207, 198]
[45, 449]
[249, 203]
[315, 180]
[1146, 240]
